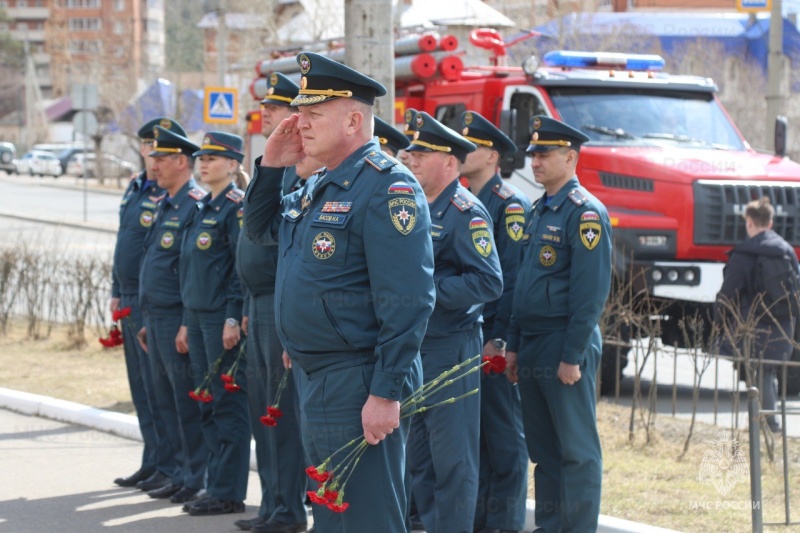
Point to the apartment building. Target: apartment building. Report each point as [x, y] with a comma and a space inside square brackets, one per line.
[89, 41]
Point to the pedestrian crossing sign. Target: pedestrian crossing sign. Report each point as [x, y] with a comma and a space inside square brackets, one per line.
[221, 105]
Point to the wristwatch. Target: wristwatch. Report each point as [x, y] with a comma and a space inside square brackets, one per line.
[498, 344]
[231, 322]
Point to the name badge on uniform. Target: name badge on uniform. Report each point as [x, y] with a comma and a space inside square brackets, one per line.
[334, 219]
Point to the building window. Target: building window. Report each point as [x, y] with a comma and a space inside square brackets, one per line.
[82, 3]
[118, 27]
[22, 26]
[119, 5]
[85, 24]
[22, 3]
[77, 46]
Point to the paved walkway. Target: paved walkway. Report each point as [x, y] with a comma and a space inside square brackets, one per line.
[59, 458]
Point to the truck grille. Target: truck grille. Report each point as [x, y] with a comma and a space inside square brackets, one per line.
[719, 209]
[620, 181]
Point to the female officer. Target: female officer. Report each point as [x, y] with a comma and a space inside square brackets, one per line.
[212, 299]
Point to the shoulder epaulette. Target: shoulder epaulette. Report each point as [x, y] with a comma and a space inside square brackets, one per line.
[197, 194]
[577, 197]
[463, 204]
[235, 195]
[380, 160]
[503, 191]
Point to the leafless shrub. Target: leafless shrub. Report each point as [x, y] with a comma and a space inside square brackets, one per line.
[9, 285]
[82, 288]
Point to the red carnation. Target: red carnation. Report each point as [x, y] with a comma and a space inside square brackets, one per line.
[487, 364]
[338, 508]
[226, 378]
[268, 421]
[119, 314]
[274, 412]
[498, 364]
[315, 498]
[232, 387]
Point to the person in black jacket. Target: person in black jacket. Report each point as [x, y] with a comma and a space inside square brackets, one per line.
[774, 330]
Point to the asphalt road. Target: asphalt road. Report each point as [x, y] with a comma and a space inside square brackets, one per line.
[58, 477]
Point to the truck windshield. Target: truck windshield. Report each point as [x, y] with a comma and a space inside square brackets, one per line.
[651, 117]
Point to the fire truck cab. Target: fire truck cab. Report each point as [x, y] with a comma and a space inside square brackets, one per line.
[665, 158]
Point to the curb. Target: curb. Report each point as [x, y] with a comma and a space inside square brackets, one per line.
[126, 426]
[57, 222]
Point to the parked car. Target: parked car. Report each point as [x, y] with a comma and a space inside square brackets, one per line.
[111, 166]
[8, 155]
[65, 155]
[39, 163]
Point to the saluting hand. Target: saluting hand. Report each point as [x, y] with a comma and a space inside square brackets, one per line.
[568, 374]
[379, 417]
[284, 146]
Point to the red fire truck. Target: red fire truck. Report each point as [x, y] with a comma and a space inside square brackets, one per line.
[665, 158]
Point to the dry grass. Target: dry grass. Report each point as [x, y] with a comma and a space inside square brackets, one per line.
[641, 482]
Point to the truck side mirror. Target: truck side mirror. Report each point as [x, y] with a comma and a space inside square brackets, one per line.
[508, 125]
[780, 136]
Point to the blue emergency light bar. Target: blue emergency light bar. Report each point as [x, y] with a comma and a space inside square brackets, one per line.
[563, 58]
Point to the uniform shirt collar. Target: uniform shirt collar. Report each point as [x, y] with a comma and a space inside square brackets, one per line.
[555, 202]
[439, 206]
[488, 188]
[216, 203]
[181, 195]
[348, 170]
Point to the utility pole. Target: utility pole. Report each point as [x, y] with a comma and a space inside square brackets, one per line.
[369, 46]
[776, 68]
[222, 38]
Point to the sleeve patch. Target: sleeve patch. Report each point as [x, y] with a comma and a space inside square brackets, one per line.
[403, 212]
[515, 221]
[477, 223]
[197, 194]
[503, 191]
[590, 216]
[577, 197]
[482, 240]
[401, 187]
[590, 234]
[380, 160]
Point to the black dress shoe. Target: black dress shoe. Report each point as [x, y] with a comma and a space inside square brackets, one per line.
[272, 526]
[185, 495]
[133, 479]
[214, 506]
[164, 492]
[188, 505]
[248, 524]
[156, 481]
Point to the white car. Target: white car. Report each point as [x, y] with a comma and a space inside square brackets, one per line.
[38, 163]
[111, 166]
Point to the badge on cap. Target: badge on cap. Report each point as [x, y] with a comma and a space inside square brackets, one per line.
[273, 79]
[206, 140]
[305, 64]
[467, 118]
[165, 123]
[420, 121]
[408, 116]
[537, 123]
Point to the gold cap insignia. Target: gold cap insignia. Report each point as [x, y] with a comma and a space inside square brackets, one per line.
[537, 123]
[207, 140]
[270, 91]
[468, 118]
[420, 121]
[273, 79]
[305, 64]
[165, 123]
[416, 135]
[155, 133]
[535, 136]
[408, 116]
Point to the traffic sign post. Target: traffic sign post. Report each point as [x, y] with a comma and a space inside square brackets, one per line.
[221, 105]
[753, 6]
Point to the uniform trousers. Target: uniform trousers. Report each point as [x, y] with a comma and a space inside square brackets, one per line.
[225, 420]
[173, 380]
[503, 479]
[443, 447]
[561, 433]
[330, 414]
[157, 453]
[279, 449]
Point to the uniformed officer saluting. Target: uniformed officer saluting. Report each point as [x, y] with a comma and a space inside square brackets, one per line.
[561, 289]
[159, 293]
[503, 488]
[212, 299]
[443, 449]
[354, 288]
